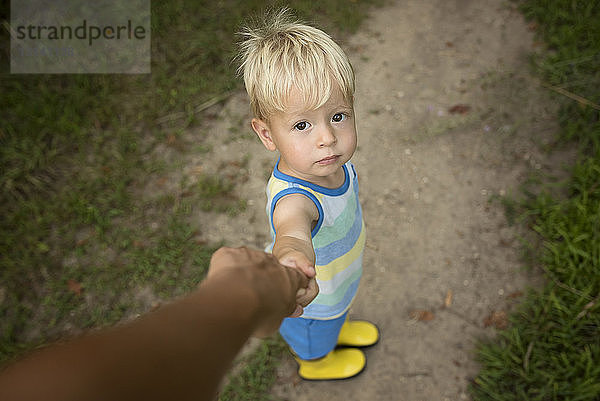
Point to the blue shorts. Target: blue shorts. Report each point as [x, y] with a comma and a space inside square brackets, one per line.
[311, 338]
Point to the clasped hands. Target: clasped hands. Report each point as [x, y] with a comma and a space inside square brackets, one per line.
[282, 288]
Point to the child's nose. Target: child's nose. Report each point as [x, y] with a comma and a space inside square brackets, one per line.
[327, 137]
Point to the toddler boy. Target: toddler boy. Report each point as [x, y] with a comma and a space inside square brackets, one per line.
[301, 89]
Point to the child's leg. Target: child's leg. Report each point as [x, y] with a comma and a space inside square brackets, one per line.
[311, 338]
[314, 342]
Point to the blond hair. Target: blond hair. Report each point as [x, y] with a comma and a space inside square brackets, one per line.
[283, 54]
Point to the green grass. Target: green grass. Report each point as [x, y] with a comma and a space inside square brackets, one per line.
[82, 242]
[552, 349]
[257, 373]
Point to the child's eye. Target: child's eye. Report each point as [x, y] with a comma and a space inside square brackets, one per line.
[337, 117]
[301, 126]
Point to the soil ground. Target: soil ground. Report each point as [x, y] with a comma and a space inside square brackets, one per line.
[431, 175]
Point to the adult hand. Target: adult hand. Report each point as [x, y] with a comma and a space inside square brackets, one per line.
[281, 290]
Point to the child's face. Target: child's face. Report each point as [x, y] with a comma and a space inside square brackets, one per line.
[313, 144]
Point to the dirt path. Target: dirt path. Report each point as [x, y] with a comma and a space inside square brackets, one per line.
[435, 242]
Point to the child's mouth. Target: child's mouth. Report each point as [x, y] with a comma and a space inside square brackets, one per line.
[328, 160]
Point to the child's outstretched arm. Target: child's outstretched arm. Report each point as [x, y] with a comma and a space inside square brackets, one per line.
[293, 219]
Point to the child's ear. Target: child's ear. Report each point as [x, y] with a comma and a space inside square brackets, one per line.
[264, 133]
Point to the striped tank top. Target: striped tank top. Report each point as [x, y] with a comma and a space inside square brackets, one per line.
[338, 238]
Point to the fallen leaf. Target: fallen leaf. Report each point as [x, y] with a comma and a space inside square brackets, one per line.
[515, 294]
[171, 139]
[532, 26]
[371, 246]
[75, 287]
[459, 109]
[448, 300]
[498, 319]
[449, 44]
[82, 241]
[197, 170]
[421, 315]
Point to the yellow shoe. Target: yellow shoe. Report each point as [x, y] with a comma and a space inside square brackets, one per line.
[338, 364]
[358, 333]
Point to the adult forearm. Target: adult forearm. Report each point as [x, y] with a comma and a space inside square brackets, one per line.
[179, 352]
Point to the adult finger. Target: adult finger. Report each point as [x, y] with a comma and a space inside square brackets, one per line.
[299, 280]
[298, 311]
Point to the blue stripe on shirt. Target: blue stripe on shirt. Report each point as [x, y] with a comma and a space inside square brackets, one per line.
[334, 250]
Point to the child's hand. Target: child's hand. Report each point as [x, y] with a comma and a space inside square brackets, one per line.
[298, 260]
[304, 296]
